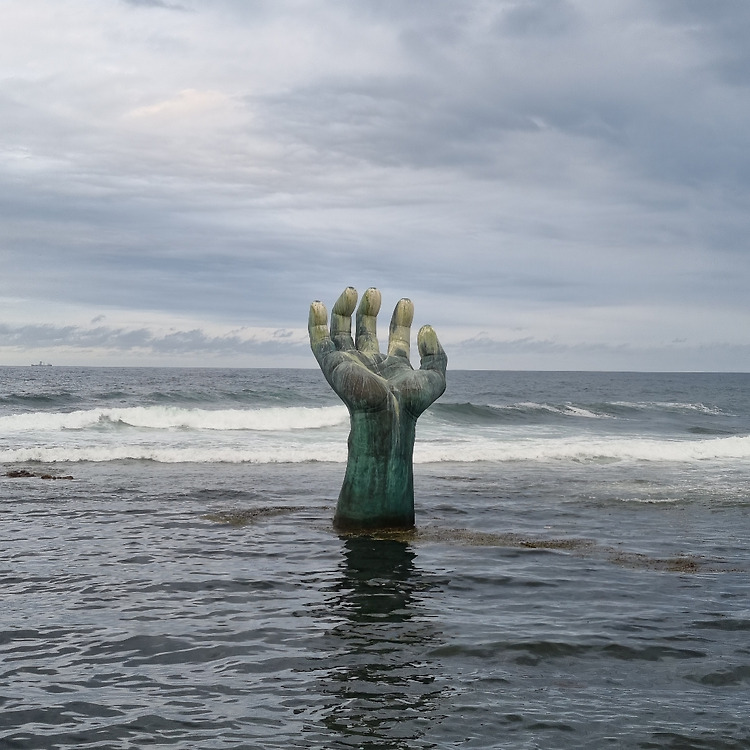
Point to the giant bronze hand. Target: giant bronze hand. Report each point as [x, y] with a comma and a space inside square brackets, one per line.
[385, 396]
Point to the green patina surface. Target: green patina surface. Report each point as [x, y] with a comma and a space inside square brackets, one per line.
[385, 397]
[378, 488]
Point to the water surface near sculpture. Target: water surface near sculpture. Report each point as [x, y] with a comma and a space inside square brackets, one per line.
[385, 397]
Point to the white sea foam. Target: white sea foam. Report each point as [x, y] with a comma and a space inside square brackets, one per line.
[579, 411]
[585, 449]
[172, 454]
[672, 406]
[282, 450]
[170, 417]
[566, 410]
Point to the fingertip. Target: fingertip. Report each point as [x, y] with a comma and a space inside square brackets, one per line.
[403, 313]
[370, 304]
[427, 341]
[346, 302]
[318, 314]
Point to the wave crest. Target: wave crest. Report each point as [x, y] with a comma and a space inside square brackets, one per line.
[584, 450]
[172, 417]
[580, 450]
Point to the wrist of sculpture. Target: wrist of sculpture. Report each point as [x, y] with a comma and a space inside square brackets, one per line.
[378, 487]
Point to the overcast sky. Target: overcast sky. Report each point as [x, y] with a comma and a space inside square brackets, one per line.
[556, 184]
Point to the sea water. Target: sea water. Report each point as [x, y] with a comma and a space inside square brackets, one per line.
[169, 576]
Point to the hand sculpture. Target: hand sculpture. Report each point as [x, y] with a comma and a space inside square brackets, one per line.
[385, 396]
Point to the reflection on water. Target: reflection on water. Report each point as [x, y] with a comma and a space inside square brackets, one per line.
[387, 692]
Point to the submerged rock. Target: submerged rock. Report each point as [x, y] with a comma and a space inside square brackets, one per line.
[25, 473]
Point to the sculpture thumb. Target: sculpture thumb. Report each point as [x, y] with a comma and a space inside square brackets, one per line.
[432, 354]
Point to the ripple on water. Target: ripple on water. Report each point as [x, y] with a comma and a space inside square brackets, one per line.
[167, 620]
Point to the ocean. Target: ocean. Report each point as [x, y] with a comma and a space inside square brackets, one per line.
[578, 577]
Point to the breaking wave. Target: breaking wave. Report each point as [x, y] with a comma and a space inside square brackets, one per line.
[173, 454]
[535, 412]
[278, 418]
[173, 418]
[583, 450]
[523, 411]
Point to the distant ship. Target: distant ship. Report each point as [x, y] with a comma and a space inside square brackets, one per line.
[41, 364]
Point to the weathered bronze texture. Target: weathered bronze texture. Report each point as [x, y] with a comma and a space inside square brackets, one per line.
[385, 396]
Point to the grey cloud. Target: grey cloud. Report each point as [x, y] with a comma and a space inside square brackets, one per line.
[548, 18]
[129, 253]
[486, 343]
[531, 353]
[154, 4]
[721, 28]
[467, 113]
[193, 342]
[394, 123]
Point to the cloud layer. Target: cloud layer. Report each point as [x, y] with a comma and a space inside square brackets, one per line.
[558, 184]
